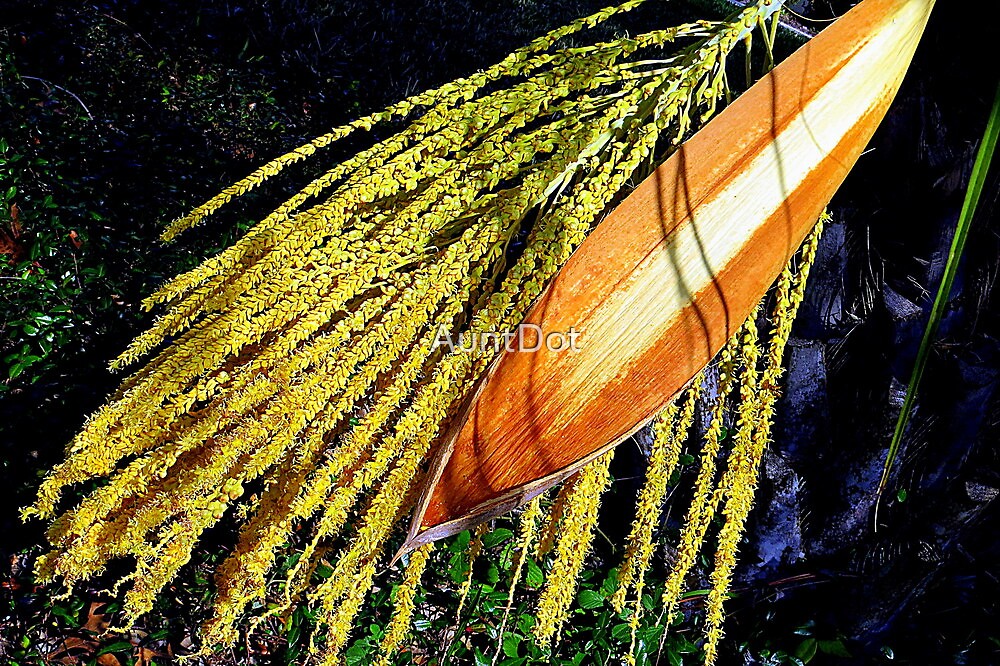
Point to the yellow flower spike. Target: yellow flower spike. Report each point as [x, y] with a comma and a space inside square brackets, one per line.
[288, 260]
[406, 593]
[526, 536]
[547, 540]
[260, 234]
[386, 352]
[442, 96]
[379, 150]
[339, 622]
[573, 545]
[474, 550]
[649, 515]
[415, 429]
[343, 498]
[174, 551]
[747, 457]
[703, 507]
[669, 434]
[242, 577]
[81, 465]
[383, 512]
[210, 481]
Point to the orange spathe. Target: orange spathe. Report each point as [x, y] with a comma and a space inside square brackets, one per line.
[672, 272]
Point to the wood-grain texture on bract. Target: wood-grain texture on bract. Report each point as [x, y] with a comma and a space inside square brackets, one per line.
[673, 271]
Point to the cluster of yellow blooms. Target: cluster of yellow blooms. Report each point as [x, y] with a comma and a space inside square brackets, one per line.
[569, 520]
[576, 530]
[295, 372]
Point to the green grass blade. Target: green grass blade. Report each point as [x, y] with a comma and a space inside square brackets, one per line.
[972, 195]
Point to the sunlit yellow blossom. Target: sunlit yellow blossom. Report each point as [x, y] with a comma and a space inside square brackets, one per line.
[404, 603]
[751, 441]
[292, 378]
[572, 547]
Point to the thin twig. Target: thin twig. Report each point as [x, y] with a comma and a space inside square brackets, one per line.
[126, 25]
[59, 87]
[785, 22]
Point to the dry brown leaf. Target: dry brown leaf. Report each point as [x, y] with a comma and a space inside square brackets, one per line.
[144, 655]
[10, 236]
[108, 660]
[97, 621]
[72, 651]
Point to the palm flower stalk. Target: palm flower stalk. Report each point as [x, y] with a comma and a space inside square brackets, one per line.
[473, 551]
[526, 537]
[752, 436]
[300, 372]
[399, 626]
[300, 363]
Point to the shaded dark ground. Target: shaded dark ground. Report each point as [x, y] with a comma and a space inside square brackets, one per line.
[185, 97]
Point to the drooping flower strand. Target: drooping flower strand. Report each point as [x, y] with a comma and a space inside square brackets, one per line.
[702, 488]
[752, 438]
[670, 430]
[406, 593]
[475, 548]
[707, 493]
[300, 362]
[526, 537]
[518, 62]
[572, 546]
[553, 516]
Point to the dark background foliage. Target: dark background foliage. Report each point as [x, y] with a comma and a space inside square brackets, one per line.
[116, 117]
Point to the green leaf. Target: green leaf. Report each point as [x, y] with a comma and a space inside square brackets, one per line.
[685, 646]
[590, 599]
[806, 650]
[294, 634]
[972, 195]
[511, 641]
[114, 647]
[496, 537]
[834, 648]
[457, 569]
[535, 577]
[610, 583]
[67, 614]
[460, 543]
[621, 632]
[357, 654]
[650, 637]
